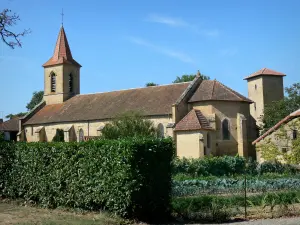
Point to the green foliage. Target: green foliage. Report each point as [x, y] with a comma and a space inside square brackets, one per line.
[130, 177]
[276, 111]
[59, 136]
[10, 116]
[1, 136]
[187, 78]
[226, 166]
[37, 97]
[129, 124]
[294, 157]
[210, 166]
[269, 151]
[149, 84]
[232, 185]
[198, 203]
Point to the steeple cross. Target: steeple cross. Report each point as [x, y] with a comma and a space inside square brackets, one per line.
[62, 17]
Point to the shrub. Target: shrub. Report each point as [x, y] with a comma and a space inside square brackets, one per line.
[210, 166]
[227, 166]
[129, 124]
[59, 136]
[131, 177]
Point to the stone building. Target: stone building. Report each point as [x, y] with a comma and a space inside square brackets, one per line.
[203, 116]
[282, 134]
[10, 129]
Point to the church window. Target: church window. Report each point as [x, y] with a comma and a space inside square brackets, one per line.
[71, 82]
[208, 140]
[161, 132]
[225, 129]
[295, 134]
[53, 82]
[81, 135]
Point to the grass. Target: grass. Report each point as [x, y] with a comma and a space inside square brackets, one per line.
[12, 213]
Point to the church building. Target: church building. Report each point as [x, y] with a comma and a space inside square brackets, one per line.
[202, 116]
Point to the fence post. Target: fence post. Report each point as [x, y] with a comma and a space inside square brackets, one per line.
[245, 200]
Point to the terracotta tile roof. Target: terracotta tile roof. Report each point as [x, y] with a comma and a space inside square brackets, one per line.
[214, 90]
[62, 52]
[265, 71]
[10, 125]
[194, 120]
[274, 128]
[156, 100]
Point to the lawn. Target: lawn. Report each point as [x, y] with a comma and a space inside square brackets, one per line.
[14, 214]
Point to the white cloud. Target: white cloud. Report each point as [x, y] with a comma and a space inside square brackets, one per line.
[168, 52]
[177, 22]
[174, 22]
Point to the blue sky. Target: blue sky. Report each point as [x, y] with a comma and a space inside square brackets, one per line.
[125, 44]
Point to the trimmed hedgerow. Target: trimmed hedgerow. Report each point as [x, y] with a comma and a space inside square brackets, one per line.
[131, 177]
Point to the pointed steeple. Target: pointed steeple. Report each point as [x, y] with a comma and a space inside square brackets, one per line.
[62, 53]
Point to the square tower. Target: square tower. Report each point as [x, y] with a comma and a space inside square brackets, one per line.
[264, 87]
[61, 73]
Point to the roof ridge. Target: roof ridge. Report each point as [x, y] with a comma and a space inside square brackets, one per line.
[213, 89]
[163, 85]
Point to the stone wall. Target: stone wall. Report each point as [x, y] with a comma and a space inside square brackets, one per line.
[90, 128]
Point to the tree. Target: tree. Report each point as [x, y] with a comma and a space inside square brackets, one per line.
[37, 97]
[11, 116]
[278, 110]
[149, 84]
[129, 124]
[187, 78]
[59, 136]
[10, 38]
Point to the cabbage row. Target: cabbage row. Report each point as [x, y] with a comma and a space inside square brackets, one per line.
[231, 186]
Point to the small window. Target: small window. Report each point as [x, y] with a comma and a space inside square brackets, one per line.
[53, 82]
[225, 129]
[255, 86]
[295, 133]
[31, 131]
[208, 140]
[284, 150]
[254, 105]
[70, 83]
[81, 135]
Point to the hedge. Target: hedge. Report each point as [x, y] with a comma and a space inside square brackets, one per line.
[227, 166]
[130, 177]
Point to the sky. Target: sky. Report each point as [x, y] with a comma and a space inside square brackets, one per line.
[125, 44]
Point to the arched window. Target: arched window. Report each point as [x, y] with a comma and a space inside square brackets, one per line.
[81, 135]
[208, 143]
[70, 82]
[225, 129]
[53, 82]
[161, 132]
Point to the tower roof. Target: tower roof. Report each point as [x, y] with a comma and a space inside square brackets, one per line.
[62, 52]
[265, 71]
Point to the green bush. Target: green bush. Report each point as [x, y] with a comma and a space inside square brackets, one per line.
[210, 166]
[6, 161]
[59, 136]
[131, 177]
[204, 202]
[227, 166]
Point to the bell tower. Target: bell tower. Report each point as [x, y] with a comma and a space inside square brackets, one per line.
[264, 87]
[61, 73]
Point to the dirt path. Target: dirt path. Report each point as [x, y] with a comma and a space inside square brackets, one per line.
[280, 221]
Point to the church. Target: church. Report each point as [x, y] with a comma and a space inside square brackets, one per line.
[204, 117]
